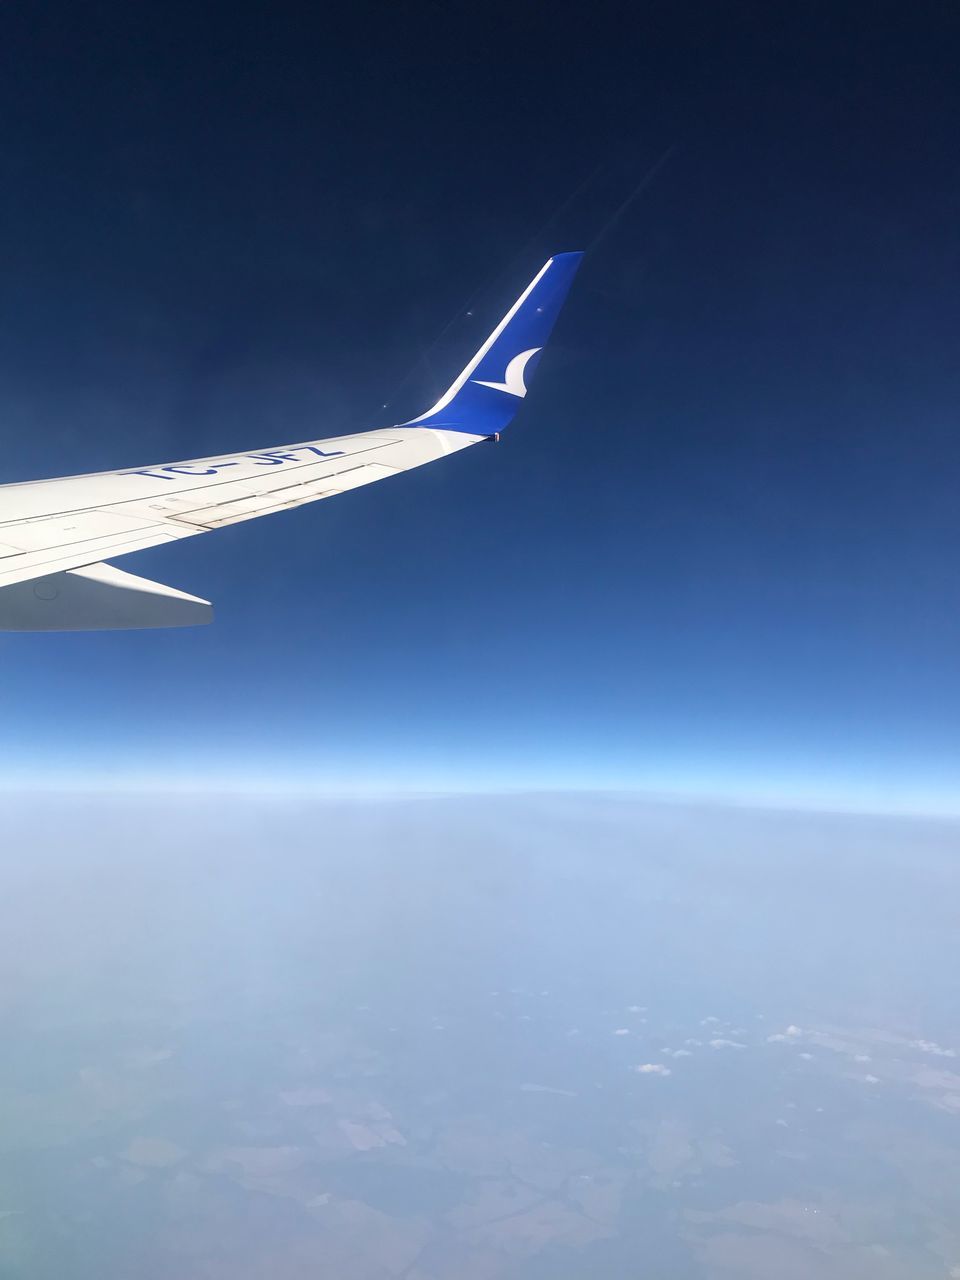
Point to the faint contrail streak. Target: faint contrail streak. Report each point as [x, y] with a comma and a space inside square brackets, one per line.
[645, 182]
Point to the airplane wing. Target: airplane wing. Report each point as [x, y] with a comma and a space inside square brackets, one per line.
[55, 535]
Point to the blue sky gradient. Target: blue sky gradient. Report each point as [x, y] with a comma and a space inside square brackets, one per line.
[717, 552]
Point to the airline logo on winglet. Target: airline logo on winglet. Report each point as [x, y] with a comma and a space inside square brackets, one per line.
[513, 382]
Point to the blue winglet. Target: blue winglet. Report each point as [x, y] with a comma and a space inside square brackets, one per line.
[489, 391]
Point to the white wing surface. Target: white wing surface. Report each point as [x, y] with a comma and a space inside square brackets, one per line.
[56, 534]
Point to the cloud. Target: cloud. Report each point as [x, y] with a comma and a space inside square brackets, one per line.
[931, 1046]
[871, 1079]
[722, 1043]
[709, 1021]
[677, 1053]
[782, 1037]
[652, 1069]
[622, 1031]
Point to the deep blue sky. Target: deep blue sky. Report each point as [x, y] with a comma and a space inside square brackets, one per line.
[718, 549]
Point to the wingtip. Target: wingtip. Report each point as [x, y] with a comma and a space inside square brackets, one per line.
[487, 393]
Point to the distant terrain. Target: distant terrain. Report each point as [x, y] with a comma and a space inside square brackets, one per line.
[525, 1038]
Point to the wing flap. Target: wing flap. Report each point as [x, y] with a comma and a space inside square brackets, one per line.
[99, 597]
[90, 527]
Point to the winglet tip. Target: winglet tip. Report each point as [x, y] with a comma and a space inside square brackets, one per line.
[485, 396]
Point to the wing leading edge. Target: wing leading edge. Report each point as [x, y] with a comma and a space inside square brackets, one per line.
[56, 534]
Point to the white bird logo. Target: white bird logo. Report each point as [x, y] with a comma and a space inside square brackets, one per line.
[512, 382]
